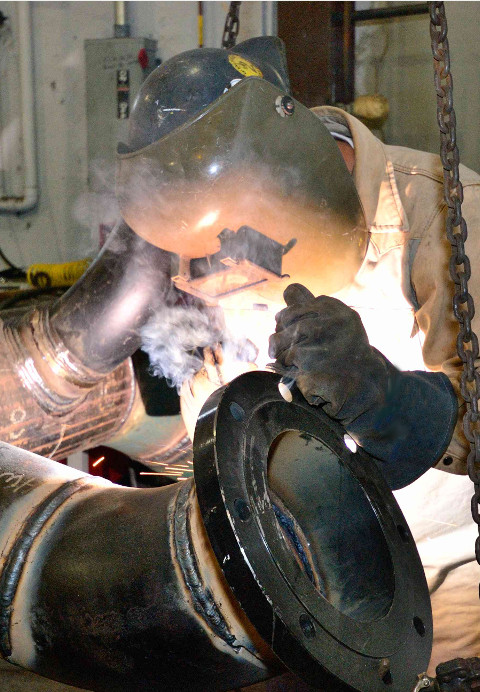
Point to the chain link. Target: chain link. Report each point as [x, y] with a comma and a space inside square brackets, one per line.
[463, 306]
[232, 26]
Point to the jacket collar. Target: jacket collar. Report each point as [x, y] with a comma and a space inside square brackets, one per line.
[373, 175]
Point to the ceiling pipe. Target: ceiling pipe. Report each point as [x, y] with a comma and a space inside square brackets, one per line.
[29, 198]
[122, 28]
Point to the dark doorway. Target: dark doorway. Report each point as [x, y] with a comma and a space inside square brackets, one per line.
[319, 39]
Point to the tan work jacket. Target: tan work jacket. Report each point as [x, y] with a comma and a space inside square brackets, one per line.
[401, 191]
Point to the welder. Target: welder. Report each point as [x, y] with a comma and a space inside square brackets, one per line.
[258, 196]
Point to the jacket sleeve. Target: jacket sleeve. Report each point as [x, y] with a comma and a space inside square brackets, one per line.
[434, 290]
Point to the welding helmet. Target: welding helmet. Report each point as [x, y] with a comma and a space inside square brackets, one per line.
[244, 184]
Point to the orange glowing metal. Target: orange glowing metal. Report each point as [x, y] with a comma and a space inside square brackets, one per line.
[97, 462]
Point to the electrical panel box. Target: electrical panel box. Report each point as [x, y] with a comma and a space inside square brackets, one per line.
[116, 68]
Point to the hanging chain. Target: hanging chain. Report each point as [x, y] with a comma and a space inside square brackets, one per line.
[463, 307]
[232, 26]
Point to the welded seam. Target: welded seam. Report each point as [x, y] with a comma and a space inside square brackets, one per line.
[33, 339]
[15, 562]
[203, 600]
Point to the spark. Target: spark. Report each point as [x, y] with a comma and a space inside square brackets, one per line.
[445, 523]
[99, 461]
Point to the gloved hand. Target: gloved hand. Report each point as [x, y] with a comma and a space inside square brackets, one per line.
[216, 371]
[322, 344]
[405, 419]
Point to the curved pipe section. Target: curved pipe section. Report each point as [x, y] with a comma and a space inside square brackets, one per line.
[97, 415]
[99, 318]
[116, 589]
[67, 379]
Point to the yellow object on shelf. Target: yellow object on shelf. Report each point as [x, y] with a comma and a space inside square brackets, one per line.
[372, 109]
[56, 275]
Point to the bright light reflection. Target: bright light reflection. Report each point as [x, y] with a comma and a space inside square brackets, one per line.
[350, 443]
[208, 219]
[127, 310]
[214, 168]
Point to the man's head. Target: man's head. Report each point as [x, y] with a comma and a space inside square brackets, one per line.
[217, 143]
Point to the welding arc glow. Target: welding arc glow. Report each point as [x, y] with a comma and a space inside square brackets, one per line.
[350, 443]
[97, 462]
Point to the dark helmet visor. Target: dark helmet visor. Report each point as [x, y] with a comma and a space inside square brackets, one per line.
[243, 162]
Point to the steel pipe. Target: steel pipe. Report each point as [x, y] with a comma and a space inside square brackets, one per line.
[67, 379]
[99, 318]
[381, 13]
[110, 588]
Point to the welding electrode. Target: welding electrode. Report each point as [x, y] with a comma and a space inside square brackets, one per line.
[285, 388]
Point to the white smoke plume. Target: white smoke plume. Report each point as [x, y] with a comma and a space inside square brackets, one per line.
[175, 336]
[97, 208]
[173, 339]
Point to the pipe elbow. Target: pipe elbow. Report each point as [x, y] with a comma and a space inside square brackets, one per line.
[20, 205]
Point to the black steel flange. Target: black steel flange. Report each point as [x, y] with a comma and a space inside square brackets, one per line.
[311, 540]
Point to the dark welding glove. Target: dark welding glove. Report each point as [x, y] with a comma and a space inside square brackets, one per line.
[404, 419]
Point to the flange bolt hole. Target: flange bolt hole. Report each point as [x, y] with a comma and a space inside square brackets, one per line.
[242, 509]
[237, 412]
[308, 628]
[403, 532]
[419, 626]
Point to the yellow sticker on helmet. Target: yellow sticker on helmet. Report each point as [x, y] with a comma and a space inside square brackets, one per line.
[244, 66]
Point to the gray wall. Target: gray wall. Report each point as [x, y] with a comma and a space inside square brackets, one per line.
[64, 226]
[395, 59]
